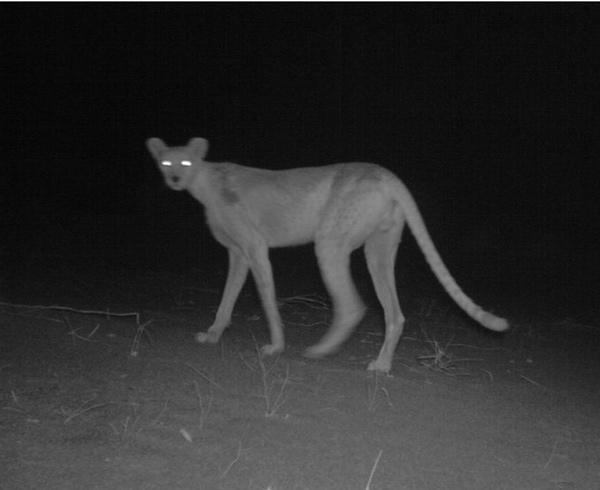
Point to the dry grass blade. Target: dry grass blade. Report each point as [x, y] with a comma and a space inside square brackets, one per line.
[74, 332]
[374, 390]
[135, 344]
[533, 382]
[129, 427]
[70, 414]
[160, 414]
[309, 300]
[204, 376]
[235, 460]
[205, 405]
[368, 487]
[441, 360]
[273, 397]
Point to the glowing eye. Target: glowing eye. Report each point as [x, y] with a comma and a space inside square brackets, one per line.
[166, 163]
[186, 163]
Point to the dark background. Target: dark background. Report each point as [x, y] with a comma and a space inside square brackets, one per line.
[488, 112]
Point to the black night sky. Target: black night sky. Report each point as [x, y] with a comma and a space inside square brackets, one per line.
[488, 112]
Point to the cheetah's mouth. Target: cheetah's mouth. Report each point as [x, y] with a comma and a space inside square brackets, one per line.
[175, 182]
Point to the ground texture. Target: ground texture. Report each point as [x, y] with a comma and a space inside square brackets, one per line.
[92, 400]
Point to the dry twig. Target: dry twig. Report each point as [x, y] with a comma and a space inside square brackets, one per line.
[107, 313]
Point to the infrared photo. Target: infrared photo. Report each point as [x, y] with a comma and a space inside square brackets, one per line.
[304, 246]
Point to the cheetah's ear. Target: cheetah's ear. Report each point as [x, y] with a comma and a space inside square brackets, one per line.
[199, 147]
[155, 146]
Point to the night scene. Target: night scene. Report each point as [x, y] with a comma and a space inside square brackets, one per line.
[300, 246]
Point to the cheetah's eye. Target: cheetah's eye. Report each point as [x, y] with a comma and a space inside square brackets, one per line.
[166, 163]
[186, 163]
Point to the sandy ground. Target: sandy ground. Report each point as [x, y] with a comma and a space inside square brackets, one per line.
[463, 408]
